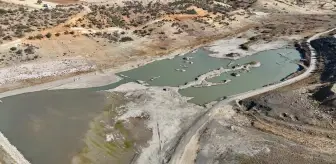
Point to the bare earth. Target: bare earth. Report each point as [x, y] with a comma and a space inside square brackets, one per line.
[80, 46]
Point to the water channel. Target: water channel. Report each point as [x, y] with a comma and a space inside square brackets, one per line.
[48, 126]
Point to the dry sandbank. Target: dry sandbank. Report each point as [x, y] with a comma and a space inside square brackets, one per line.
[223, 47]
[169, 113]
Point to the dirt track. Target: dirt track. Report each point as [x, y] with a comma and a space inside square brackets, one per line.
[178, 156]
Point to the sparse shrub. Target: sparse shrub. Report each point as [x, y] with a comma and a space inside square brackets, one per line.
[66, 32]
[253, 38]
[13, 48]
[126, 39]
[57, 34]
[244, 46]
[19, 52]
[39, 36]
[191, 11]
[3, 11]
[72, 32]
[19, 34]
[48, 35]
[29, 50]
[116, 34]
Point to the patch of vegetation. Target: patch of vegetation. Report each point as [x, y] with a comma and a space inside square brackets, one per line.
[16, 22]
[39, 36]
[48, 35]
[19, 54]
[107, 124]
[13, 48]
[137, 14]
[128, 144]
[190, 11]
[126, 39]
[244, 46]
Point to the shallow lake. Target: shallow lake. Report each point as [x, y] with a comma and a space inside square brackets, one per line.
[275, 65]
[48, 126]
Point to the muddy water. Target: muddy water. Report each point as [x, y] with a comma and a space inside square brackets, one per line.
[48, 126]
[274, 67]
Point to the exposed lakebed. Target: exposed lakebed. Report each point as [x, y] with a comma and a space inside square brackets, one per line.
[48, 126]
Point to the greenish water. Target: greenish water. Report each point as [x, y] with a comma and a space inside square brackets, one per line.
[48, 126]
[274, 67]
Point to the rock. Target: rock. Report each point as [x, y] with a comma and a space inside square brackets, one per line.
[235, 74]
[233, 55]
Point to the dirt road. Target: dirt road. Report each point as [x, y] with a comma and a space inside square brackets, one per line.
[179, 156]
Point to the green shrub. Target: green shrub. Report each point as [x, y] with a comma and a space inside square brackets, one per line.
[39, 36]
[13, 48]
[48, 35]
[244, 46]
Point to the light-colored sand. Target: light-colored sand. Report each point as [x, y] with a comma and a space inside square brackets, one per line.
[8, 45]
[310, 7]
[333, 88]
[43, 69]
[30, 3]
[131, 86]
[169, 113]
[223, 47]
[95, 79]
[11, 150]
[89, 79]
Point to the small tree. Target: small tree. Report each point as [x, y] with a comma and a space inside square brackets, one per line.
[48, 35]
[19, 52]
[39, 36]
[39, 1]
[244, 46]
[126, 39]
[30, 37]
[13, 48]
[29, 50]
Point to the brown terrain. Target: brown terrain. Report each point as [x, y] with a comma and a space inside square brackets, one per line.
[294, 124]
[109, 37]
[63, 1]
